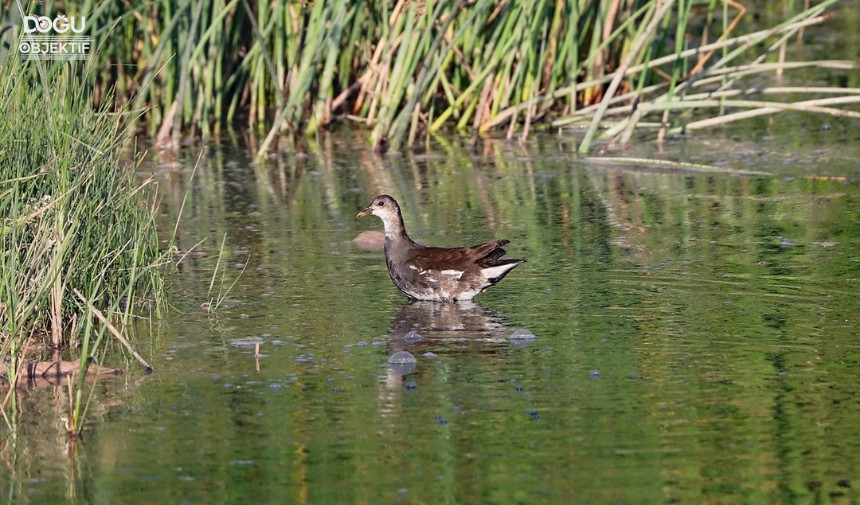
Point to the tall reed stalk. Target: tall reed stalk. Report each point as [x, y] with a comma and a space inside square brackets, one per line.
[411, 67]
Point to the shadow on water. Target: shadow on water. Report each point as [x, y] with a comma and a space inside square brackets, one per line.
[695, 338]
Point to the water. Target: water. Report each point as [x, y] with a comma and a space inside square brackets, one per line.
[695, 335]
[695, 339]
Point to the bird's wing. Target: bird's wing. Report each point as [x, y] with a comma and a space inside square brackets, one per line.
[459, 258]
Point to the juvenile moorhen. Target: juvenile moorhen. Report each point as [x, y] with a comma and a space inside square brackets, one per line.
[436, 273]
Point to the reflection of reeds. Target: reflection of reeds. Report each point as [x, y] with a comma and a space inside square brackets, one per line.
[570, 218]
[654, 213]
[513, 189]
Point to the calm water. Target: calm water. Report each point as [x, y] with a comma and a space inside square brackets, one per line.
[696, 338]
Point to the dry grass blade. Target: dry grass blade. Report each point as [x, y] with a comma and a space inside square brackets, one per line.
[101, 317]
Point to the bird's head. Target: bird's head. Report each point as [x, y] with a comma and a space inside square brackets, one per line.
[384, 207]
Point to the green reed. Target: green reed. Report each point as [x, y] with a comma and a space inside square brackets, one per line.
[296, 67]
[74, 217]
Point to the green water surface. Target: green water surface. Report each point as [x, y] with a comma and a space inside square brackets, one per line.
[696, 338]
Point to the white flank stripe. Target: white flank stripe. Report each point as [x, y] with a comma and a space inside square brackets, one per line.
[493, 272]
[456, 274]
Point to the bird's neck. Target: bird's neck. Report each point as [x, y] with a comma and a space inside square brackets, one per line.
[395, 231]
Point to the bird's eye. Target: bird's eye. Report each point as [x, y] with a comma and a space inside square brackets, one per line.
[381, 204]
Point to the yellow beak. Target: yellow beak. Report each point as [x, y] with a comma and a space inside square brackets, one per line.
[366, 212]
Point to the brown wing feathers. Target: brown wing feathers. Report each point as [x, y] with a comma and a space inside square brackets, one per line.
[439, 258]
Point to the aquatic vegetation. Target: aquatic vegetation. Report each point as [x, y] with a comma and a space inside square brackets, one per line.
[217, 299]
[79, 245]
[293, 68]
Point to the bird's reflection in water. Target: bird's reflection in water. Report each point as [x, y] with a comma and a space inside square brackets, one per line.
[443, 327]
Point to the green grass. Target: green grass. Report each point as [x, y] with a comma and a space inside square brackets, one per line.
[73, 216]
[406, 69]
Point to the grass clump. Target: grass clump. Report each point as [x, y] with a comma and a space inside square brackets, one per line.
[409, 68]
[73, 216]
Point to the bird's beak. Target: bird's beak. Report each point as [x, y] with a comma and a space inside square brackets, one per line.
[366, 212]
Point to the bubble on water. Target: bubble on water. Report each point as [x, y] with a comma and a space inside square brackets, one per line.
[402, 357]
[521, 343]
[402, 362]
[410, 385]
[522, 335]
[412, 337]
[594, 374]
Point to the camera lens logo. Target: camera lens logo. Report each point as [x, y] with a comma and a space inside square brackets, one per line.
[63, 43]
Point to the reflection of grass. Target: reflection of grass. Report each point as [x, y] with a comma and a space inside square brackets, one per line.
[551, 207]
[74, 217]
[557, 212]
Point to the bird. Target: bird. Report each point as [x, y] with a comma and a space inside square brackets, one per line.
[437, 274]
